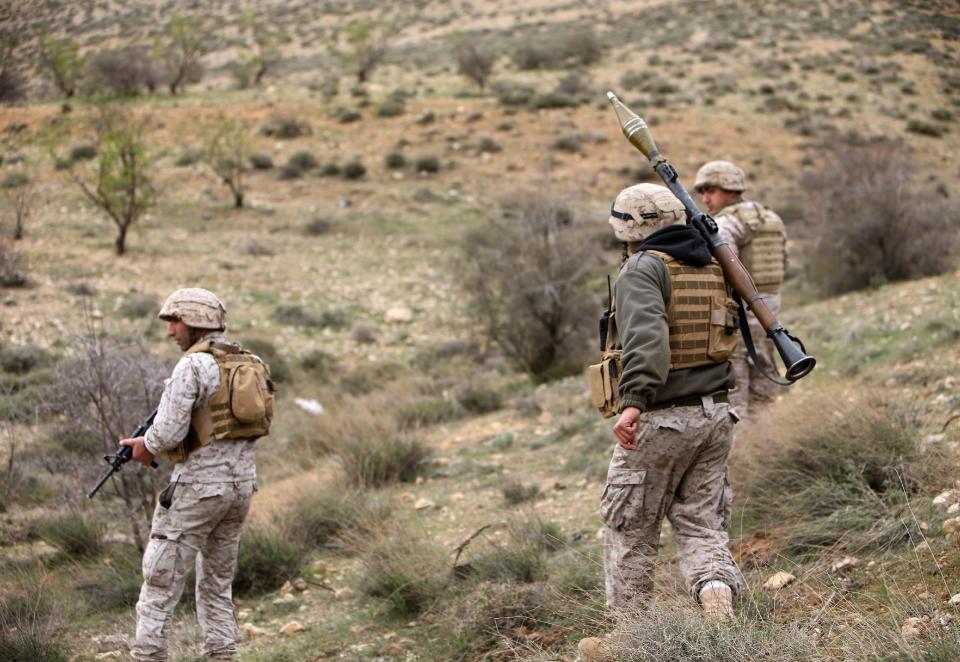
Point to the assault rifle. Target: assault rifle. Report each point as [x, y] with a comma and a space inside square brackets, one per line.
[791, 350]
[124, 455]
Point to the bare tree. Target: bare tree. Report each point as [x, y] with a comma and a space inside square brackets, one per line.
[187, 44]
[367, 42]
[121, 181]
[62, 59]
[20, 194]
[227, 150]
[473, 61]
[264, 54]
[106, 388]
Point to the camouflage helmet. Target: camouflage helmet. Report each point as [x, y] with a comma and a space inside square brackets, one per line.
[642, 209]
[195, 307]
[721, 174]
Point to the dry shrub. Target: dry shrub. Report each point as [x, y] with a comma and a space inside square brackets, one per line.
[870, 222]
[841, 474]
[76, 536]
[474, 61]
[524, 272]
[30, 622]
[403, 565]
[679, 633]
[125, 72]
[108, 387]
[115, 581]
[322, 513]
[268, 557]
[12, 266]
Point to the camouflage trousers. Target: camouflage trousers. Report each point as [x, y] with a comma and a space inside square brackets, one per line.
[753, 390]
[679, 471]
[201, 529]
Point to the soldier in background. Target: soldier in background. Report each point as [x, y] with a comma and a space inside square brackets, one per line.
[675, 431]
[200, 514]
[757, 236]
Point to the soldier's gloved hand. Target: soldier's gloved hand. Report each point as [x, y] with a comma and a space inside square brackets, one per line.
[140, 452]
[626, 428]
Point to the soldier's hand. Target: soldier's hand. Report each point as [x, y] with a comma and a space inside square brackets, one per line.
[626, 428]
[140, 452]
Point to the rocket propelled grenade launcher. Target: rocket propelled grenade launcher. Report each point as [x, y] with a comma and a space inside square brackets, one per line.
[797, 361]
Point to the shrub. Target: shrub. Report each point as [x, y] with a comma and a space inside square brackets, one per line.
[13, 86]
[29, 624]
[303, 160]
[925, 128]
[189, 158]
[115, 582]
[139, 305]
[290, 171]
[429, 164]
[515, 491]
[672, 634]
[353, 170]
[568, 142]
[285, 127]
[487, 145]
[513, 93]
[267, 558]
[533, 53]
[394, 160]
[349, 116]
[12, 266]
[261, 161]
[553, 100]
[572, 85]
[74, 535]
[408, 570]
[473, 61]
[520, 558]
[320, 515]
[392, 106]
[318, 226]
[524, 273]
[297, 315]
[330, 170]
[391, 457]
[258, 249]
[846, 479]
[480, 400]
[83, 152]
[425, 412]
[870, 223]
[363, 333]
[123, 73]
[21, 360]
[266, 350]
[319, 363]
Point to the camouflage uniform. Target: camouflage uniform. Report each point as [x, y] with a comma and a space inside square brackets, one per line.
[685, 428]
[752, 387]
[202, 527]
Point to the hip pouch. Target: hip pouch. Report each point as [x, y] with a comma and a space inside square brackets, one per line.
[604, 378]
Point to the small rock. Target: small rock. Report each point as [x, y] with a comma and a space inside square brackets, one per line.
[309, 405]
[399, 315]
[108, 655]
[286, 588]
[951, 525]
[955, 600]
[954, 507]
[845, 564]
[924, 525]
[113, 642]
[243, 614]
[922, 547]
[911, 628]
[599, 534]
[778, 581]
[291, 628]
[252, 630]
[943, 498]
[343, 594]
[935, 438]
[300, 584]
[424, 503]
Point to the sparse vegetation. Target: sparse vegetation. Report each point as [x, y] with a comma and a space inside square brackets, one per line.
[267, 558]
[74, 535]
[20, 194]
[474, 61]
[186, 43]
[226, 151]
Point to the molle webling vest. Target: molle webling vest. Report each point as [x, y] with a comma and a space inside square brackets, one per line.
[764, 252]
[242, 407]
[701, 315]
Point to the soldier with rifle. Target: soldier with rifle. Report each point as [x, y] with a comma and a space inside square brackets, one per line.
[216, 404]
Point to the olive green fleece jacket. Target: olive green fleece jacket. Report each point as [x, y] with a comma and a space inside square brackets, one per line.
[643, 294]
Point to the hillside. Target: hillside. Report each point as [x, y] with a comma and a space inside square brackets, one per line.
[345, 268]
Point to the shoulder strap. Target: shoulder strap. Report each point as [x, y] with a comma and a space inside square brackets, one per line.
[748, 342]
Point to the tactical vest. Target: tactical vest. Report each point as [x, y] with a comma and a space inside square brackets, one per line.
[701, 316]
[763, 253]
[242, 408]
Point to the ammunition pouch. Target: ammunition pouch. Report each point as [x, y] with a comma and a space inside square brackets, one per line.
[604, 378]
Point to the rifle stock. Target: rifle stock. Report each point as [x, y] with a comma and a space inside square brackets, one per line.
[798, 363]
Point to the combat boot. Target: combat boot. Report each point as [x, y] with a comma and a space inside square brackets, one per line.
[594, 649]
[716, 598]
